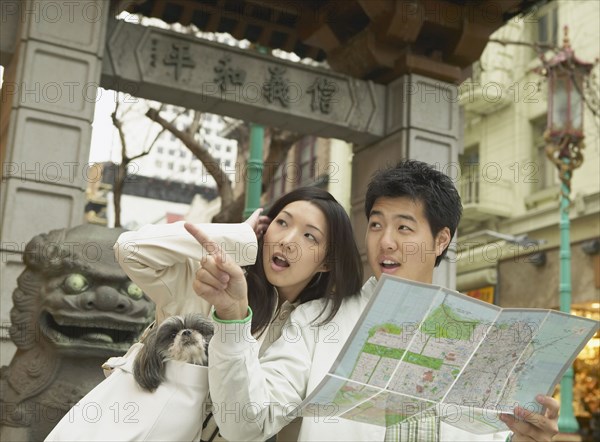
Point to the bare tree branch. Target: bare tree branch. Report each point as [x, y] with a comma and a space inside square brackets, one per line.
[212, 166]
[119, 125]
[151, 145]
[121, 170]
[195, 125]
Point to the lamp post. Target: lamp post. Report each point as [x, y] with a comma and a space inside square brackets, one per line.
[255, 163]
[564, 143]
[255, 168]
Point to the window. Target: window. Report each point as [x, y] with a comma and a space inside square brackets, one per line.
[170, 165]
[158, 163]
[160, 149]
[544, 173]
[182, 153]
[171, 152]
[544, 26]
[182, 168]
[228, 149]
[547, 25]
[469, 175]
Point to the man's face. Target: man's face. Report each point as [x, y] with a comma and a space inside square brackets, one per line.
[399, 240]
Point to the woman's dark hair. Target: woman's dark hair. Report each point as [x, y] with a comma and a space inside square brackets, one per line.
[422, 183]
[345, 274]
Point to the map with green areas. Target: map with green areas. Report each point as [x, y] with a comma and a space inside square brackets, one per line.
[420, 346]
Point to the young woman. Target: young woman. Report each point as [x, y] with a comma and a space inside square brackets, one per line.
[308, 252]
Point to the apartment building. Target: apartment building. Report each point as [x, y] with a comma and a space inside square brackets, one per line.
[508, 243]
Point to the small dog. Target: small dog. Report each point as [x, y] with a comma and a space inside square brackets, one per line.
[178, 338]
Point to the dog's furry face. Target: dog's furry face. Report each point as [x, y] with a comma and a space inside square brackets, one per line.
[178, 338]
[183, 340]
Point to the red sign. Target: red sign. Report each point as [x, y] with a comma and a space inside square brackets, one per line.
[485, 294]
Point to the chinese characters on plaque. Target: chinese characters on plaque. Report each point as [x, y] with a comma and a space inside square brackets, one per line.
[275, 88]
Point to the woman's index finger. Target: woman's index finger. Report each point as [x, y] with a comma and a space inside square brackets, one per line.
[211, 247]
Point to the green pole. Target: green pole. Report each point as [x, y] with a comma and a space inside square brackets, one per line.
[566, 420]
[255, 163]
[254, 170]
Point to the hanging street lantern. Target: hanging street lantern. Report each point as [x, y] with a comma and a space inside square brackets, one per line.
[564, 132]
[564, 145]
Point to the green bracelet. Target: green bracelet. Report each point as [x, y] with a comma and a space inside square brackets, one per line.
[233, 321]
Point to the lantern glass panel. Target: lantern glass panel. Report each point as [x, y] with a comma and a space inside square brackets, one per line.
[576, 108]
[560, 104]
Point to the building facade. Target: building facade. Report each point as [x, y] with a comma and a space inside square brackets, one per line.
[508, 244]
[323, 162]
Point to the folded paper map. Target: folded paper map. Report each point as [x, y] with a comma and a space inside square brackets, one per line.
[419, 347]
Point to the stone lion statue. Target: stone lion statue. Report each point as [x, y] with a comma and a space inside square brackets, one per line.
[72, 309]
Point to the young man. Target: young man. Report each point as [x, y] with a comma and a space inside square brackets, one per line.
[413, 213]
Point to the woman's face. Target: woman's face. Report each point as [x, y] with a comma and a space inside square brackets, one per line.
[295, 248]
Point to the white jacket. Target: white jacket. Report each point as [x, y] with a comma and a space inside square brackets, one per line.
[252, 399]
[117, 409]
[163, 259]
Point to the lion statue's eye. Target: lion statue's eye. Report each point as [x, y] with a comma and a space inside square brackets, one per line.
[134, 292]
[75, 283]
